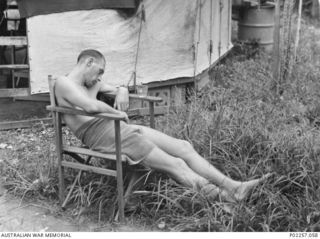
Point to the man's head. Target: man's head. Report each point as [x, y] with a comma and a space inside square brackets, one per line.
[85, 54]
[92, 62]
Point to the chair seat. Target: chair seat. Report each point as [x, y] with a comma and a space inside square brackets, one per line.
[90, 152]
[89, 168]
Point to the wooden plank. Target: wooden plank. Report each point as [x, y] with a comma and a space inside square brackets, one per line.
[176, 81]
[13, 41]
[21, 74]
[65, 110]
[5, 93]
[138, 97]
[151, 112]
[23, 123]
[85, 151]
[160, 110]
[15, 67]
[41, 98]
[146, 98]
[89, 168]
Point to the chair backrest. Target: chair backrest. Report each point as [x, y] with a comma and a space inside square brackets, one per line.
[52, 82]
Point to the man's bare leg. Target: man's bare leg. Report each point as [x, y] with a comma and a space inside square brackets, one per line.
[183, 149]
[180, 171]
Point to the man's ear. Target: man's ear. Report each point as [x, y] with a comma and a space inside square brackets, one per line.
[90, 61]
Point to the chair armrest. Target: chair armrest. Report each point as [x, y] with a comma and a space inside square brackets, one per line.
[66, 110]
[145, 98]
[138, 97]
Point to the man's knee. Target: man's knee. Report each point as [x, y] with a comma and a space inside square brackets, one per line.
[185, 147]
[179, 164]
[169, 164]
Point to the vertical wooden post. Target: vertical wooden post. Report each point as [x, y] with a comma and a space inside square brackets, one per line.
[56, 117]
[296, 44]
[58, 127]
[276, 45]
[13, 60]
[315, 11]
[28, 59]
[119, 170]
[151, 111]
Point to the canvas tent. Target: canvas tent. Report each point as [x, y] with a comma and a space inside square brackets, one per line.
[161, 40]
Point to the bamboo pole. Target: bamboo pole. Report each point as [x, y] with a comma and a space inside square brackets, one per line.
[276, 44]
[298, 31]
[315, 11]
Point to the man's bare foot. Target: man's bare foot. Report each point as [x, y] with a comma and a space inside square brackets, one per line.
[215, 193]
[244, 189]
[228, 207]
[219, 196]
[211, 191]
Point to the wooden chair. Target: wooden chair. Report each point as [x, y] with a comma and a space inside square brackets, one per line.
[75, 152]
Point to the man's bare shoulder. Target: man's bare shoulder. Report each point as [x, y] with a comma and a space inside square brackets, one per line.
[62, 80]
[63, 83]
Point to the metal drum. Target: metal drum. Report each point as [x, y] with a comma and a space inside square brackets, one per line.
[256, 25]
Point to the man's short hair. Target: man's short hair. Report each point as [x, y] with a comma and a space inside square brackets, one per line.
[90, 53]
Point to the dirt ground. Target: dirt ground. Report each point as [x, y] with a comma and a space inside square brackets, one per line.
[18, 216]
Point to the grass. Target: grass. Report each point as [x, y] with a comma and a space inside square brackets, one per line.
[238, 124]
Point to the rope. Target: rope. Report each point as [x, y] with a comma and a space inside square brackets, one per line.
[196, 46]
[134, 73]
[220, 21]
[210, 43]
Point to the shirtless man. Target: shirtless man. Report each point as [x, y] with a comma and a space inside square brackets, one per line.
[143, 145]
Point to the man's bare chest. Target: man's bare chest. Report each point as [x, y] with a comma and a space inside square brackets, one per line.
[90, 92]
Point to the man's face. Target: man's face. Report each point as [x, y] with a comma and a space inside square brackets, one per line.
[95, 70]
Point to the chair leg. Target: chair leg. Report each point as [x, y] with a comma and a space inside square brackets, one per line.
[61, 183]
[58, 125]
[134, 178]
[71, 189]
[119, 170]
[75, 180]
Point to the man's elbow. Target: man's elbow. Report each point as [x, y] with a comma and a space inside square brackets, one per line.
[91, 109]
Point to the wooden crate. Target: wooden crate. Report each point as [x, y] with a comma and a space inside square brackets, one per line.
[163, 92]
[171, 95]
[173, 92]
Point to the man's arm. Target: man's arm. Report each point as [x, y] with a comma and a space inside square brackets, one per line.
[108, 89]
[122, 95]
[75, 96]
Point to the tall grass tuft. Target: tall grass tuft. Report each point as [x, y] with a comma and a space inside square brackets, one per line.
[241, 128]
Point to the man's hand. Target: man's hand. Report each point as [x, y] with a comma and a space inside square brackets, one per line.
[124, 114]
[122, 99]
